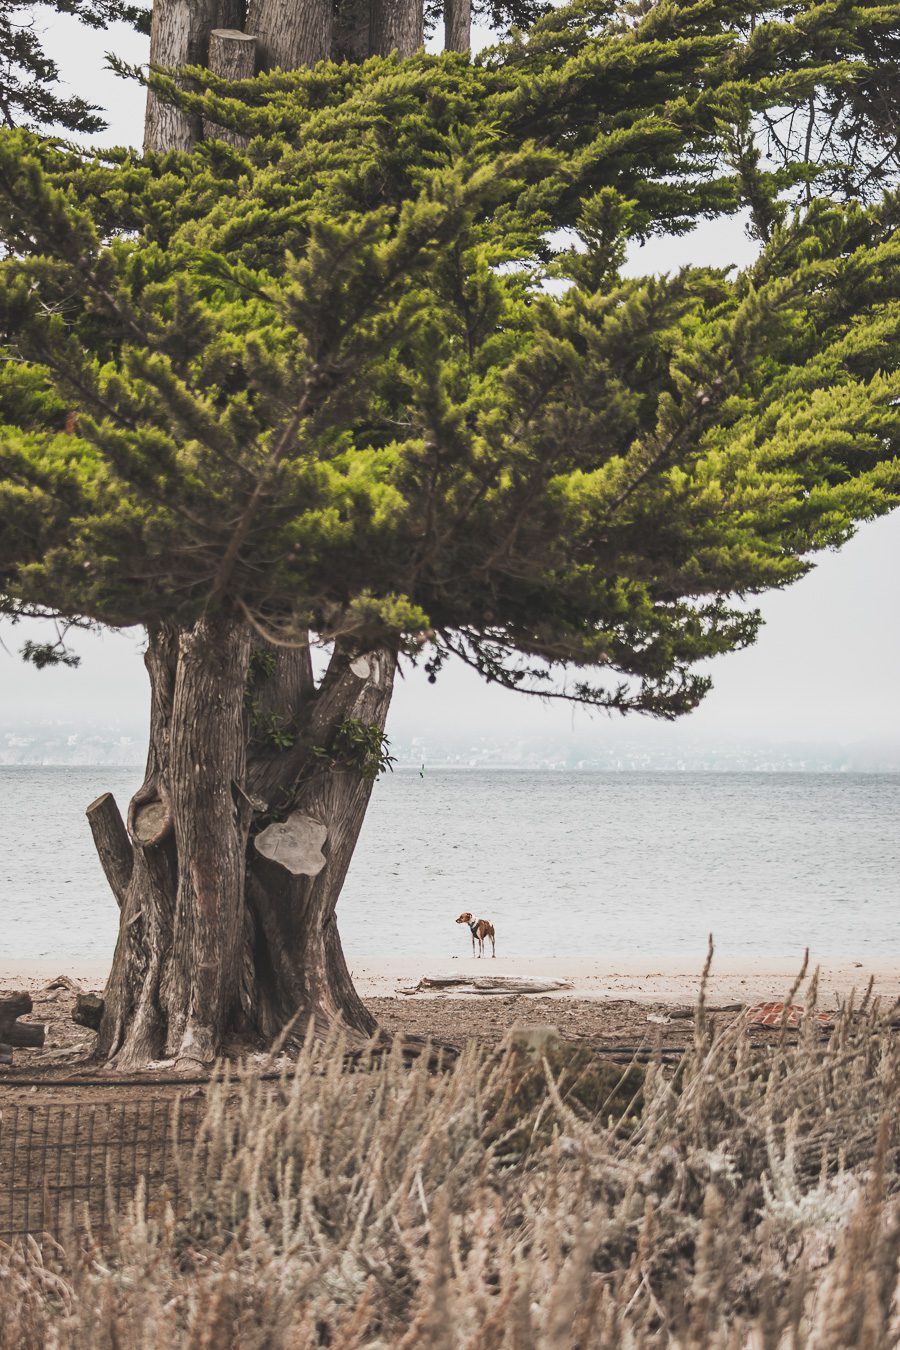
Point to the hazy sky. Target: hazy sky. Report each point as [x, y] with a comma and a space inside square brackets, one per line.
[825, 667]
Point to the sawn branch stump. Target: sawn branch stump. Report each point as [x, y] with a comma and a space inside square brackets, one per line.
[12, 1007]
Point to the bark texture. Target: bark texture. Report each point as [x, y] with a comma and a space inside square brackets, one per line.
[232, 56]
[457, 25]
[298, 957]
[396, 26]
[217, 938]
[180, 33]
[210, 819]
[293, 34]
[112, 844]
[231, 14]
[179, 36]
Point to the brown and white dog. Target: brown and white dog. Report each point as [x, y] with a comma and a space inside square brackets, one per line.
[480, 929]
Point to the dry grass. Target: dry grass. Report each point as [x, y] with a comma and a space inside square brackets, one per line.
[750, 1199]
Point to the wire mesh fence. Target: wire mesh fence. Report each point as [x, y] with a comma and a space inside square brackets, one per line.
[67, 1165]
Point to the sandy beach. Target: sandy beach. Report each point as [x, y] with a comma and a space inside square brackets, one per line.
[645, 979]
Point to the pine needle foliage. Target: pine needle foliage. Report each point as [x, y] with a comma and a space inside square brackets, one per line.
[30, 92]
[354, 378]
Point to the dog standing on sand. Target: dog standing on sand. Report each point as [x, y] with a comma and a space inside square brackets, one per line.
[480, 929]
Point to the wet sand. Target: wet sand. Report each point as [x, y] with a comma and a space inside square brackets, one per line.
[642, 979]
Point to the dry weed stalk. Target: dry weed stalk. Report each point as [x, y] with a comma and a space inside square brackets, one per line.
[750, 1199]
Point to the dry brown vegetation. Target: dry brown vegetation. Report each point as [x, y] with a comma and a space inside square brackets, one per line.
[748, 1199]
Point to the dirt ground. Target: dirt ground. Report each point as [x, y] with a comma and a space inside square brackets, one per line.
[613, 1024]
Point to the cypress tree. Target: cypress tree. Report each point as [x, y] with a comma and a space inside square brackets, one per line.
[29, 78]
[311, 379]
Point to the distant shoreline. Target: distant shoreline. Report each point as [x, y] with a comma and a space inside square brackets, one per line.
[482, 767]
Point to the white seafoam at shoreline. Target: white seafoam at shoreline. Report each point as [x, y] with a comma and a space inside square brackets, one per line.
[644, 980]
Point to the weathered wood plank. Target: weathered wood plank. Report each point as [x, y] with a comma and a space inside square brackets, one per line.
[490, 984]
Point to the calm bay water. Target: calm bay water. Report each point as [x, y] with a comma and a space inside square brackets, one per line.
[564, 864]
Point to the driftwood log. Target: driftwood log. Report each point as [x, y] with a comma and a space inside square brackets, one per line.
[30, 1034]
[490, 984]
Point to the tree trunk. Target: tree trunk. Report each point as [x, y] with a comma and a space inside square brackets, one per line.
[396, 26]
[179, 36]
[232, 56]
[112, 844]
[221, 933]
[298, 957]
[205, 976]
[177, 967]
[457, 25]
[291, 35]
[132, 1029]
[216, 934]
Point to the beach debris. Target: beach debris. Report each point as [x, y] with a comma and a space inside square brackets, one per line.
[64, 982]
[687, 1014]
[88, 1011]
[784, 1014]
[489, 984]
[14, 1033]
[518, 984]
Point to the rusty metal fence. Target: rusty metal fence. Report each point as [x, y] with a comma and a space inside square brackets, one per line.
[68, 1165]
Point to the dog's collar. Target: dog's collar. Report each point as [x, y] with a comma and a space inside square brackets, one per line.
[473, 924]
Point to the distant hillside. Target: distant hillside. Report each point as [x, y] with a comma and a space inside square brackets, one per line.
[59, 742]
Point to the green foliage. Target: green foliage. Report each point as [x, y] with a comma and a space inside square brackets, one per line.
[43, 654]
[29, 79]
[270, 728]
[357, 745]
[262, 663]
[267, 726]
[323, 381]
